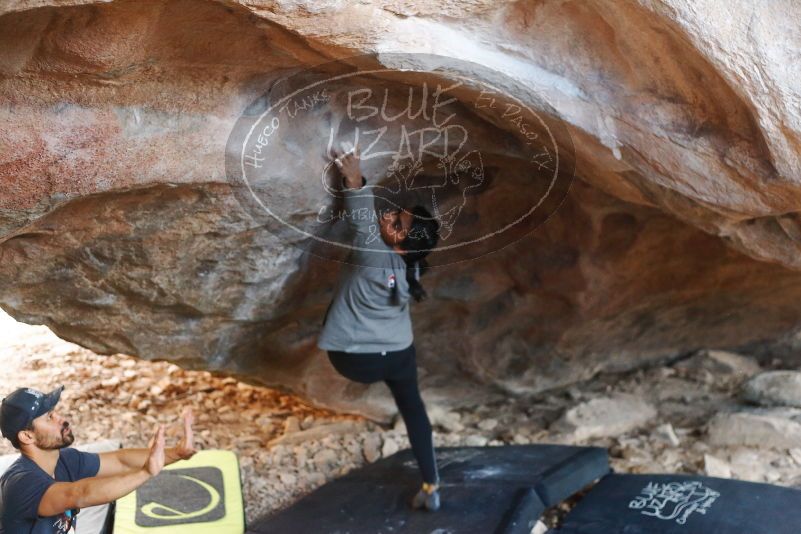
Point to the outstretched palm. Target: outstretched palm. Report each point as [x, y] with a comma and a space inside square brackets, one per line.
[155, 460]
[186, 447]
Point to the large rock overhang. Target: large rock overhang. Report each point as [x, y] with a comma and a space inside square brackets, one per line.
[120, 230]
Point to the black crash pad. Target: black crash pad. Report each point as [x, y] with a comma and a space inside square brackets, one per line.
[684, 504]
[484, 489]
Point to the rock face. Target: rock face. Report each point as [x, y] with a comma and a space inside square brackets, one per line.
[120, 230]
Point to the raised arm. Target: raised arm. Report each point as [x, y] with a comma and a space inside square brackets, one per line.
[359, 201]
[62, 496]
[124, 460]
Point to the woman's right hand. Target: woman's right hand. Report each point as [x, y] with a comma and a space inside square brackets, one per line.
[348, 163]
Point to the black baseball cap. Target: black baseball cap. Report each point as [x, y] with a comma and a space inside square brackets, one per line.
[24, 405]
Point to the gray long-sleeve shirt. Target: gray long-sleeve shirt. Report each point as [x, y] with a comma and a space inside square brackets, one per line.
[370, 308]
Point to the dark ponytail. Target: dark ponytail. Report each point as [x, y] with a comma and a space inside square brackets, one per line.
[422, 237]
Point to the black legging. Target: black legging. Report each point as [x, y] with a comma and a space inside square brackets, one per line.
[398, 369]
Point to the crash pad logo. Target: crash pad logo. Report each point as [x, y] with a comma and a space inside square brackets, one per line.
[177, 496]
[674, 500]
[486, 157]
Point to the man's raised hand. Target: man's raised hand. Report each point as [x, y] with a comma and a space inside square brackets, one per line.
[186, 447]
[155, 460]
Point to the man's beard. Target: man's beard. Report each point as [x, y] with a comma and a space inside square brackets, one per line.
[49, 443]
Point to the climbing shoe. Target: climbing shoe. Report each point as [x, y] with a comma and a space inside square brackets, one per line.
[427, 497]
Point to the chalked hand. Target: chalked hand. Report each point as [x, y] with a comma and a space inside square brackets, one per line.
[349, 165]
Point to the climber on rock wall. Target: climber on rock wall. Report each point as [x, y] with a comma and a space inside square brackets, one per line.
[367, 329]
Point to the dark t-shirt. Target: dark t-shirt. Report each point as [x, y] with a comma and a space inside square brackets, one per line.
[24, 484]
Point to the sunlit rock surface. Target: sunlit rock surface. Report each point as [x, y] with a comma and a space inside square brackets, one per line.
[119, 229]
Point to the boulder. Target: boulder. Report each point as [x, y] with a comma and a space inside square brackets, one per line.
[474, 440]
[748, 464]
[717, 365]
[666, 434]
[123, 230]
[777, 428]
[715, 467]
[372, 448]
[774, 388]
[318, 432]
[605, 416]
[390, 447]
